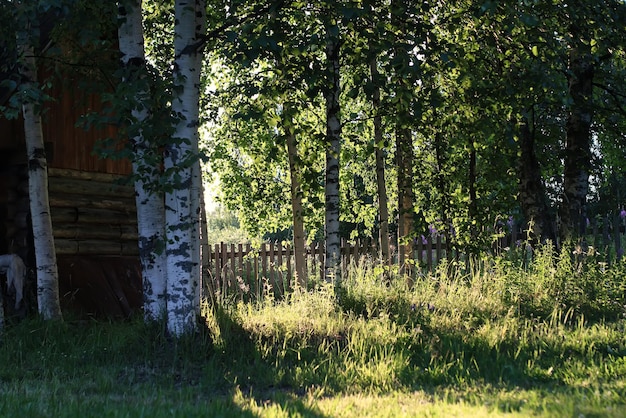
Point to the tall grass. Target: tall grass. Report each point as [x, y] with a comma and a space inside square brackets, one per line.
[491, 337]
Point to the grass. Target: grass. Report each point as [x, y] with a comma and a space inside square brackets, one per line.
[494, 339]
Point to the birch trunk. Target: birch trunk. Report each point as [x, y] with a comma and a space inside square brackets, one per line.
[383, 211]
[45, 254]
[332, 264]
[149, 201]
[182, 204]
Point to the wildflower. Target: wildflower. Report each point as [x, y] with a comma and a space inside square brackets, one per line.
[510, 222]
[622, 214]
[432, 230]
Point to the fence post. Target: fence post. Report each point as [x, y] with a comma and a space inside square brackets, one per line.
[429, 253]
[288, 267]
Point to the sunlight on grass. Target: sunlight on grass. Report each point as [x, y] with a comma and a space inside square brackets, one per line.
[486, 339]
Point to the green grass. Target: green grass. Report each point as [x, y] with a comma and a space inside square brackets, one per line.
[491, 339]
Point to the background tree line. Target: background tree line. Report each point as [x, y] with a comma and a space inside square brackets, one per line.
[472, 112]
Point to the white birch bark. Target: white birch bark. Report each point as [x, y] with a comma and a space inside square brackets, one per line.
[150, 204]
[45, 254]
[181, 207]
[332, 264]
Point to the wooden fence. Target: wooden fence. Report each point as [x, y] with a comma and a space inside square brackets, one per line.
[236, 269]
[250, 273]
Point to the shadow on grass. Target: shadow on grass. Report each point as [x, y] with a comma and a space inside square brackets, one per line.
[78, 368]
[236, 374]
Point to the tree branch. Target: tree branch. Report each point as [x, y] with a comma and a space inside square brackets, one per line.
[234, 21]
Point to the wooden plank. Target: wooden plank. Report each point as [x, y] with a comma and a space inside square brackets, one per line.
[322, 256]
[54, 172]
[272, 269]
[263, 255]
[89, 188]
[279, 270]
[94, 247]
[239, 271]
[288, 267]
[118, 203]
[439, 249]
[248, 267]
[91, 216]
[92, 231]
[429, 253]
[216, 266]
[222, 274]
[257, 278]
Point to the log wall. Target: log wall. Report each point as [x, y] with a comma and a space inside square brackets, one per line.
[92, 213]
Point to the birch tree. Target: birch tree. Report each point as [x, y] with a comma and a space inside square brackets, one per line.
[181, 158]
[45, 254]
[332, 265]
[146, 161]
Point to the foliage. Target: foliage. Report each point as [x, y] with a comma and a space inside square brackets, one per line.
[223, 226]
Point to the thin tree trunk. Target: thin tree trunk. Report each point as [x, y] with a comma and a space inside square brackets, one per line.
[577, 164]
[440, 178]
[532, 195]
[383, 211]
[45, 254]
[296, 204]
[404, 156]
[473, 198]
[404, 144]
[332, 265]
[180, 157]
[148, 198]
[196, 177]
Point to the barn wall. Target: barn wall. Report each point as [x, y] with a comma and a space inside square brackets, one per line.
[92, 213]
[72, 147]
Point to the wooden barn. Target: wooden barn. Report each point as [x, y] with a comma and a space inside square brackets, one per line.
[92, 209]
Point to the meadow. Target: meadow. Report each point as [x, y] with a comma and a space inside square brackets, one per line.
[495, 337]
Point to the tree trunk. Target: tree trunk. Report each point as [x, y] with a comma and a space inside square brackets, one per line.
[383, 211]
[148, 198]
[332, 266]
[296, 204]
[577, 164]
[45, 254]
[441, 182]
[196, 175]
[404, 142]
[180, 158]
[472, 178]
[404, 156]
[532, 195]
